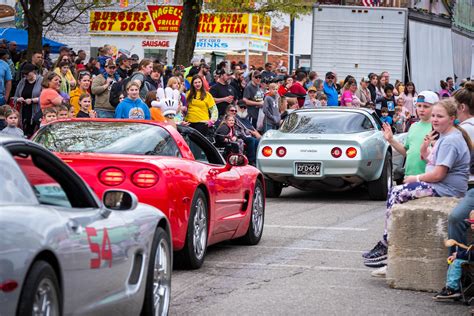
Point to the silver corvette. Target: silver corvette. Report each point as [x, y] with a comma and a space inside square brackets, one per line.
[330, 148]
[63, 252]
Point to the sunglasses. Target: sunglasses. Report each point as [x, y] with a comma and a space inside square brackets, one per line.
[111, 67]
[258, 77]
[232, 110]
[330, 77]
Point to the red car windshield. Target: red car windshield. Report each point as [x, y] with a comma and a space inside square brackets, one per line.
[108, 137]
[330, 122]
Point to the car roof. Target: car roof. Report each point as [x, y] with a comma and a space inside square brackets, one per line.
[338, 109]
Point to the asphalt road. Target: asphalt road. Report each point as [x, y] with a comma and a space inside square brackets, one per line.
[307, 263]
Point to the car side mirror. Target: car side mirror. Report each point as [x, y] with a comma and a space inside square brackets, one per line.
[237, 160]
[120, 200]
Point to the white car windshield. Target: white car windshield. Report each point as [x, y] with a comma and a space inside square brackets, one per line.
[330, 122]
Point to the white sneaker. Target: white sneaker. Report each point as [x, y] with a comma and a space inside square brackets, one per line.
[380, 272]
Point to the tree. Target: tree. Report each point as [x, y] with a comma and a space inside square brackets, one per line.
[37, 16]
[187, 33]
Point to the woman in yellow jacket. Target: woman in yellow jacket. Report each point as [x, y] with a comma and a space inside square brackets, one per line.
[202, 110]
[84, 80]
[68, 75]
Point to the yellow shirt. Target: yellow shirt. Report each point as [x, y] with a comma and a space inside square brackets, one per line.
[198, 110]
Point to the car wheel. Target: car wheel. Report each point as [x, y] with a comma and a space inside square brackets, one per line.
[378, 189]
[255, 230]
[192, 255]
[158, 282]
[273, 188]
[40, 294]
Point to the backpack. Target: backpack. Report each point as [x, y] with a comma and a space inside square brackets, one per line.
[120, 87]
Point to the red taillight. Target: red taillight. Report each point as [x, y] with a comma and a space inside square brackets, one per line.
[144, 178]
[336, 152]
[8, 286]
[267, 151]
[281, 151]
[112, 176]
[351, 152]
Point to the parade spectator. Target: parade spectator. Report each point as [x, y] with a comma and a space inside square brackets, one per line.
[386, 118]
[267, 73]
[81, 57]
[145, 67]
[85, 107]
[451, 88]
[319, 85]
[84, 83]
[348, 97]
[323, 100]
[297, 88]
[245, 130]
[3, 122]
[222, 92]
[63, 112]
[50, 96]
[379, 93]
[330, 89]
[446, 171]
[12, 50]
[155, 111]
[399, 120]
[123, 69]
[388, 100]
[372, 86]
[5, 77]
[101, 86]
[202, 110]
[465, 110]
[154, 80]
[312, 76]
[285, 87]
[238, 83]
[363, 93]
[50, 115]
[409, 96]
[28, 94]
[45, 58]
[63, 68]
[444, 92]
[105, 53]
[253, 97]
[132, 107]
[311, 102]
[386, 80]
[93, 67]
[11, 118]
[270, 109]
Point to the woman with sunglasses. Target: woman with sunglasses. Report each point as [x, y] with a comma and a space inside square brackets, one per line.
[84, 80]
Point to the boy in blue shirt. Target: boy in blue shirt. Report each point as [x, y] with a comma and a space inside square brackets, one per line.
[385, 117]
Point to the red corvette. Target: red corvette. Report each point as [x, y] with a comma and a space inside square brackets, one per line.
[206, 199]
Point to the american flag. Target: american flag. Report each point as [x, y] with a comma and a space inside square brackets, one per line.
[371, 3]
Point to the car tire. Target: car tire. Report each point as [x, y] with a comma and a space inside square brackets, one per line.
[273, 188]
[378, 189]
[40, 291]
[158, 281]
[194, 251]
[257, 216]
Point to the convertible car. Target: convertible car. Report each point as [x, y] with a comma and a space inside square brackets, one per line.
[330, 148]
[206, 199]
[64, 252]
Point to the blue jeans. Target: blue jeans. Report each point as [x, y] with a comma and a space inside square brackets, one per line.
[457, 227]
[2, 100]
[105, 113]
[453, 277]
[251, 150]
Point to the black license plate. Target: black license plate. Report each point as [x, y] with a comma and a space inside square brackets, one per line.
[308, 168]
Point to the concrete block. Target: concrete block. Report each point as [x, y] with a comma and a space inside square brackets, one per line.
[416, 253]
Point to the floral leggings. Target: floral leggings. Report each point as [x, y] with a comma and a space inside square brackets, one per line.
[403, 193]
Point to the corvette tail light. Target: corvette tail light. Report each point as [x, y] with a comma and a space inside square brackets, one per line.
[336, 152]
[8, 286]
[281, 151]
[112, 176]
[144, 178]
[351, 152]
[267, 151]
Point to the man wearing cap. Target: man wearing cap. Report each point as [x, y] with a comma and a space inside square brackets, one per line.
[5, 77]
[330, 89]
[253, 97]
[123, 69]
[222, 92]
[268, 73]
[101, 86]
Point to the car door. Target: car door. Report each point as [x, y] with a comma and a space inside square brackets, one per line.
[92, 248]
[224, 184]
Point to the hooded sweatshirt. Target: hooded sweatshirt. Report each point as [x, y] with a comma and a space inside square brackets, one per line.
[132, 109]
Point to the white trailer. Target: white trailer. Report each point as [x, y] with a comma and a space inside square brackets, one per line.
[354, 40]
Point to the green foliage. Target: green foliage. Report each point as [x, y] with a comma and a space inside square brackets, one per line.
[292, 7]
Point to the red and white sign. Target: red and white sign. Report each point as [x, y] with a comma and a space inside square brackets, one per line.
[155, 43]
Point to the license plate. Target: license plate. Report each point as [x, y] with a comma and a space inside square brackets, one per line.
[308, 168]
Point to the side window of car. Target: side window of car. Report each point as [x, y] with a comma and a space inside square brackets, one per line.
[367, 124]
[48, 191]
[166, 146]
[15, 187]
[197, 151]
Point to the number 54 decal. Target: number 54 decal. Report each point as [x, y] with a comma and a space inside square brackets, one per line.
[103, 251]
